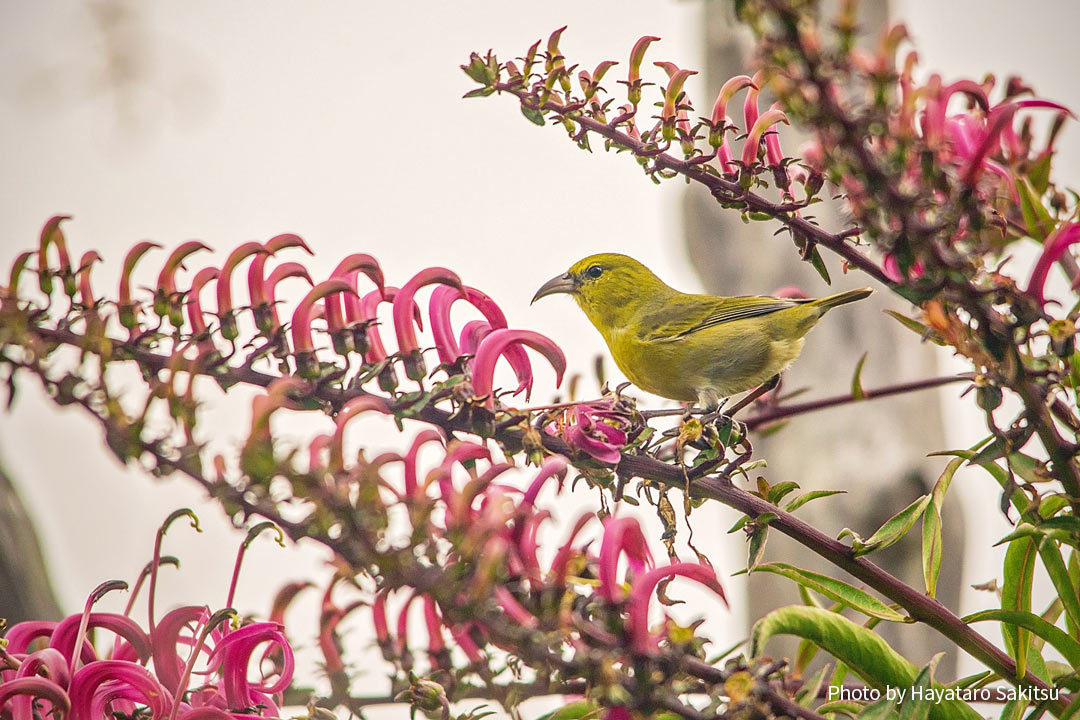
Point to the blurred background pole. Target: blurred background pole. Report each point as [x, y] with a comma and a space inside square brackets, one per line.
[25, 590]
[875, 451]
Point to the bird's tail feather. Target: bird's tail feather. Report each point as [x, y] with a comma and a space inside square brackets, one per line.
[843, 298]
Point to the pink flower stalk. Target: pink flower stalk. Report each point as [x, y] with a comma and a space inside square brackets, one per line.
[86, 292]
[352, 408]
[495, 346]
[224, 285]
[771, 117]
[641, 640]
[622, 535]
[410, 459]
[129, 311]
[302, 315]
[156, 560]
[51, 234]
[719, 120]
[1053, 248]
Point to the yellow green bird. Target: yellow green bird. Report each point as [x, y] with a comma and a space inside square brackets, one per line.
[689, 347]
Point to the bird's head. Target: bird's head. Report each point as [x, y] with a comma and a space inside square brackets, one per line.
[609, 287]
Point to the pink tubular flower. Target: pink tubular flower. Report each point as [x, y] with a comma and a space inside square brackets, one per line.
[719, 119]
[496, 344]
[349, 269]
[1053, 248]
[422, 438]
[561, 563]
[513, 609]
[641, 641]
[86, 292]
[553, 466]
[673, 116]
[224, 285]
[633, 77]
[194, 306]
[129, 311]
[98, 684]
[51, 234]
[257, 269]
[26, 688]
[771, 117]
[302, 315]
[891, 268]
[234, 652]
[471, 334]
[589, 432]
[622, 535]
[750, 104]
[403, 320]
[349, 410]
[166, 282]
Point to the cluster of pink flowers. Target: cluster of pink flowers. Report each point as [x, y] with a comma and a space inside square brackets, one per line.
[52, 667]
[349, 316]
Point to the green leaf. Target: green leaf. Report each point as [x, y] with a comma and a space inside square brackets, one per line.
[856, 379]
[1058, 638]
[836, 590]
[861, 649]
[893, 529]
[1037, 218]
[757, 546]
[931, 528]
[819, 265]
[479, 92]
[574, 711]
[915, 326]
[807, 497]
[847, 707]
[1019, 571]
[779, 491]
[1067, 591]
[534, 116]
[883, 709]
[912, 709]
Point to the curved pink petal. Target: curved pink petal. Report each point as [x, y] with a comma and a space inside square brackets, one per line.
[637, 55]
[422, 438]
[727, 91]
[302, 315]
[403, 303]
[513, 609]
[166, 282]
[38, 687]
[771, 117]
[257, 269]
[194, 305]
[51, 234]
[97, 684]
[552, 466]
[442, 298]
[471, 334]
[561, 562]
[1053, 248]
[352, 408]
[641, 641]
[349, 269]
[224, 285]
[496, 344]
[368, 305]
[622, 535]
[65, 636]
[750, 104]
[86, 292]
[168, 664]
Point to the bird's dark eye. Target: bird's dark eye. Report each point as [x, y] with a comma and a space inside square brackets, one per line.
[595, 271]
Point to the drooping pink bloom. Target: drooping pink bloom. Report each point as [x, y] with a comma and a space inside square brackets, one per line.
[300, 327]
[129, 311]
[719, 120]
[633, 76]
[422, 438]
[86, 291]
[642, 588]
[52, 235]
[224, 285]
[622, 536]
[589, 431]
[513, 609]
[403, 316]
[352, 408]
[233, 654]
[495, 346]
[771, 117]
[1053, 248]
[560, 564]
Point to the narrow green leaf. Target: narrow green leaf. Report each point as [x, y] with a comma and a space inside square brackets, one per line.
[861, 649]
[779, 491]
[807, 497]
[819, 265]
[893, 529]
[1068, 592]
[915, 326]
[846, 707]
[807, 694]
[757, 546]
[1058, 638]
[1037, 218]
[931, 529]
[1019, 571]
[919, 709]
[856, 378]
[835, 590]
[883, 709]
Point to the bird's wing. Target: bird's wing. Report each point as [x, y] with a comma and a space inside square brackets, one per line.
[691, 313]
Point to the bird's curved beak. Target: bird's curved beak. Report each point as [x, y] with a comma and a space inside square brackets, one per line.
[564, 283]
